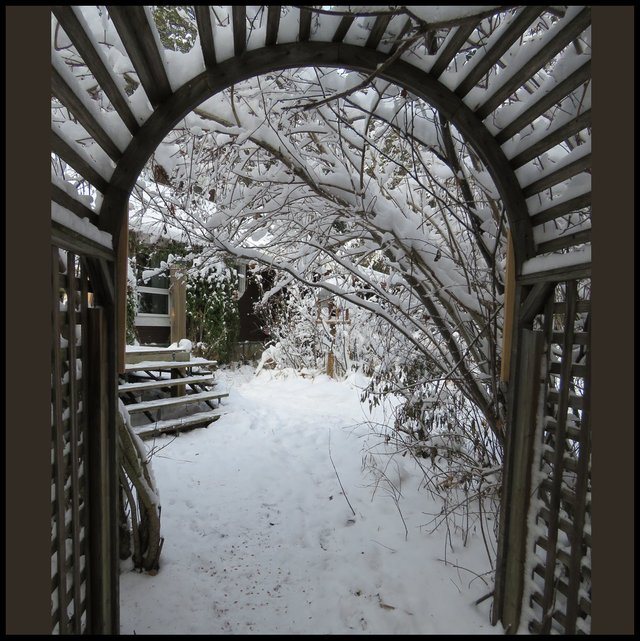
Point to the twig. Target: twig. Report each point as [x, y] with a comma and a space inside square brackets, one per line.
[344, 493]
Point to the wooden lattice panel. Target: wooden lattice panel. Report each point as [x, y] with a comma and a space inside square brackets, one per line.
[557, 590]
[69, 487]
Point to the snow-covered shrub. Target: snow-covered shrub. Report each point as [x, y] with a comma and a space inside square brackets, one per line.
[212, 309]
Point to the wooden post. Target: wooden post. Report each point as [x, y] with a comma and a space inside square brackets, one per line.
[122, 267]
[509, 310]
[178, 303]
[178, 315]
[100, 564]
[523, 418]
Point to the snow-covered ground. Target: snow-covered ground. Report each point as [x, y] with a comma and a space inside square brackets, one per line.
[260, 538]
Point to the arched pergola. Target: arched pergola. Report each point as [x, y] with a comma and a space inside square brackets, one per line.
[517, 95]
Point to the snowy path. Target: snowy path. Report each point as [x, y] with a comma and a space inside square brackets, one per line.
[259, 538]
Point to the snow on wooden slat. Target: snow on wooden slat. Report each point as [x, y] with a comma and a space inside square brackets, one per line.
[456, 38]
[66, 89]
[559, 36]
[139, 40]
[76, 28]
[164, 403]
[555, 135]
[75, 157]
[498, 44]
[541, 101]
[534, 180]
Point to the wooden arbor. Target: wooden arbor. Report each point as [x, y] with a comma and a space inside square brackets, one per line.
[521, 101]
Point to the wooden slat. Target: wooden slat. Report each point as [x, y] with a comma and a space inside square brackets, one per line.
[561, 209]
[61, 197]
[560, 40]
[305, 24]
[70, 240]
[582, 270]
[490, 56]
[75, 160]
[178, 425]
[57, 429]
[580, 507]
[377, 31]
[70, 23]
[343, 27]
[137, 37]
[164, 365]
[74, 437]
[273, 24]
[546, 101]
[165, 403]
[579, 338]
[555, 137]
[203, 21]
[165, 382]
[577, 369]
[572, 400]
[585, 606]
[68, 98]
[536, 298]
[554, 498]
[582, 307]
[565, 241]
[239, 29]
[564, 173]
[448, 53]
[563, 525]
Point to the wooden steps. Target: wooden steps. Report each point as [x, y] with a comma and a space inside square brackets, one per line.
[178, 425]
[149, 396]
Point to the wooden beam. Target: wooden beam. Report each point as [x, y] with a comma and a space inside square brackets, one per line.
[517, 486]
[567, 171]
[553, 138]
[581, 75]
[138, 39]
[453, 46]
[569, 32]
[71, 24]
[273, 24]
[81, 164]
[70, 240]
[61, 197]
[342, 29]
[203, 20]
[534, 302]
[305, 24]
[490, 56]
[239, 13]
[581, 270]
[63, 92]
[121, 296]
[509, 310]
[377, 31]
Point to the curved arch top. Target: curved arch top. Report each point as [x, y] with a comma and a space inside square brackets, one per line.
[491, 95]
[337, 55]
